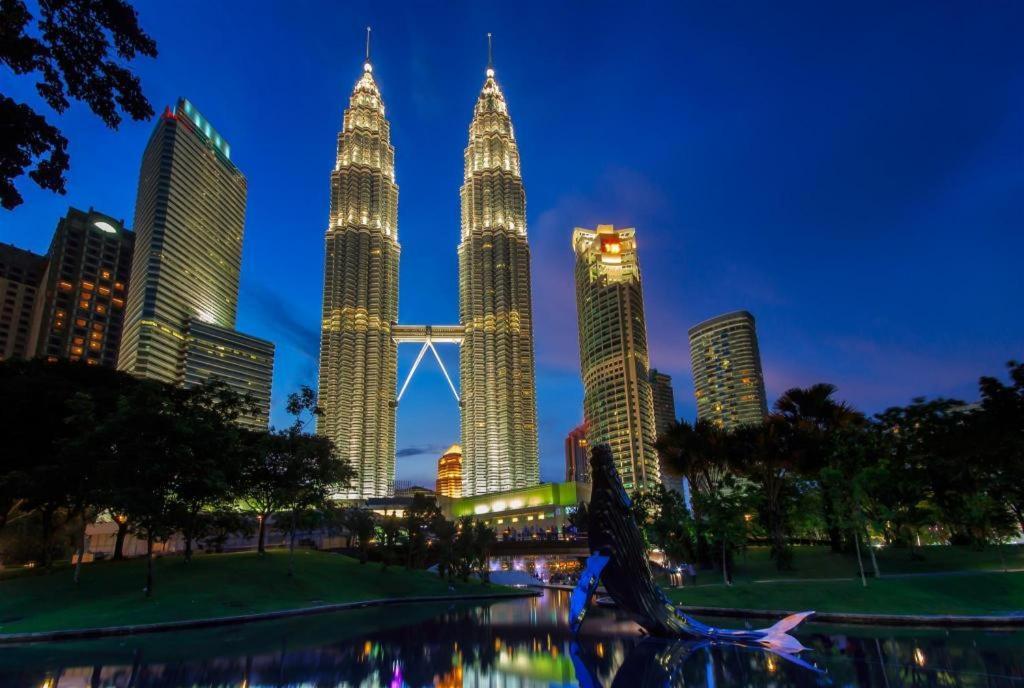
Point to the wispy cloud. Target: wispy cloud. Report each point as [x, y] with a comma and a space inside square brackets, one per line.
[434, 449]
[302, 335]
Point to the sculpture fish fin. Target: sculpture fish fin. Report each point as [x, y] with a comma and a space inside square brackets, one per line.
[776, 638]
[580, 597]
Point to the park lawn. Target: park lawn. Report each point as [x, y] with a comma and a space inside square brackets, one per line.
[754, 563]
[969, 593]
[211, 585]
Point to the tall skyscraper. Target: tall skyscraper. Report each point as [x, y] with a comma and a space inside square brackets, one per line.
[189, 219]
[20, 275]
[243, 363]
[183, 292]
[79, 313]
[664, 401]
[577, 456]
[664, 415]
[726, 367]
[499, 408]
[449, 473]
[617, 401]
[358, 357]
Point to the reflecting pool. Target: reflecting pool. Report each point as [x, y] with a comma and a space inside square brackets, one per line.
[521, 643]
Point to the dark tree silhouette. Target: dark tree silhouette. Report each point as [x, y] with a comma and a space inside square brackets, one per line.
[76, 48]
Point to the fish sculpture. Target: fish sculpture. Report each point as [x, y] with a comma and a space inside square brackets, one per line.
[618, 559]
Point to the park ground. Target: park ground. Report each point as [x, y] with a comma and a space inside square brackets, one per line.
[209, 586]
[948, 580]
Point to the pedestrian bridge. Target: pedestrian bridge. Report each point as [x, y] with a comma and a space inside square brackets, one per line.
[428, 335]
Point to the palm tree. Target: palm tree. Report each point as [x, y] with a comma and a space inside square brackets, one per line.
[815, 416]
[699, 453]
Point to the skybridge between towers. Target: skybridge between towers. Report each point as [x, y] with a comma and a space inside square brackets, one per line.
[428, 335]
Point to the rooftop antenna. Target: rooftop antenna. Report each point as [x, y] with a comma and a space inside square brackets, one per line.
[490, 56]
[366, 65]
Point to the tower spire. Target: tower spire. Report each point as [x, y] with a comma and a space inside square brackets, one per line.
[367, 66]
[490, 56]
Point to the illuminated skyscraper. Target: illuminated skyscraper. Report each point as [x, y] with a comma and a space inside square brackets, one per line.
[664, 400]
[499, 409]
[664, 415]
[617, 401]
[81, 304]
[183, 291]
[21, 273]
[189, 219]
[577, 458]
[726, 367]
[358, 357]
[449, 473]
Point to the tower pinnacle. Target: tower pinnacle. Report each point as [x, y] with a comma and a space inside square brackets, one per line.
[367, 65]
[490, 56]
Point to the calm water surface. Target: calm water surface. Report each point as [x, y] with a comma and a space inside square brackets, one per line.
[522, 643]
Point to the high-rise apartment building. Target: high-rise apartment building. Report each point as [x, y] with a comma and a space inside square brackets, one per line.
[449, 473]
[499, 408]
[20, 275]
[245, 364]
[726, 367]
[79, 313]
[189, 220]
[664, 401]
[617, 402]
[577, 456]
[358, 356]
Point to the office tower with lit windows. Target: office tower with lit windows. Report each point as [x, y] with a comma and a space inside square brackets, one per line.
[664, 416]
[358, 356]
[617, 400]
[499, 409]
[79, 313]
[21, 273]
[449, 473]
[664, 401]
[726, 367]
[189, 220]
[245, 364]
[577, 458]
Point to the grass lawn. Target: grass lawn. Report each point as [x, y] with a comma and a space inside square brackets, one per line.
[819, 562]
[975, 593]
[110, 593]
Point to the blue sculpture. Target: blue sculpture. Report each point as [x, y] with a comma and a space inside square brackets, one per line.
[619, 560]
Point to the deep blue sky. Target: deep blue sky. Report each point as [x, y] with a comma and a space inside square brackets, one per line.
[853, 174]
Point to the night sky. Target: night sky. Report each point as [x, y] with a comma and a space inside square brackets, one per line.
[852, 174]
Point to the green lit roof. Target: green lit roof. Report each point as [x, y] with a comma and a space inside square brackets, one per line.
[188, 110]
[548, 494]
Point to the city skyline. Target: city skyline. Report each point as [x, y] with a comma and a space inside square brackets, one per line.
[869, 336]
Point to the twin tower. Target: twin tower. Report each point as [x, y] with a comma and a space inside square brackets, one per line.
[360, 335]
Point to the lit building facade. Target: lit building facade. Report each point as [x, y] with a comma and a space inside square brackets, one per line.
[617, 402]
[245, 364]
[189, 220]
[664, 416]
[577, 456]
[499, 409]
[449, 473]
[664, 401]
[530, 513]
[358, 356]
[79, 312]
[21, 273]
[726, 365]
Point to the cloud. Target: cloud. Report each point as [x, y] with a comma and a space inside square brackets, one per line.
[420, 450]
[304, 336]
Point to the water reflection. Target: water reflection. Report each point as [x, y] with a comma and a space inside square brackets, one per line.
[523, 643]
